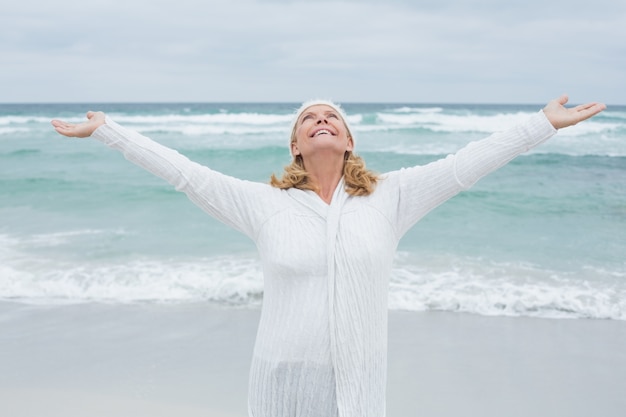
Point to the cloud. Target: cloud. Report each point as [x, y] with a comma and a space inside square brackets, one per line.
[245, 50]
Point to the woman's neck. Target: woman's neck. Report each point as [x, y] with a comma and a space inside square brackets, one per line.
[325, 176]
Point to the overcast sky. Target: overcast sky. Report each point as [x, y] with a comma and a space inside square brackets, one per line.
[421, 51]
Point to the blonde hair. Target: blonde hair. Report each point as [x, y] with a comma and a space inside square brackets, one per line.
[358, 180]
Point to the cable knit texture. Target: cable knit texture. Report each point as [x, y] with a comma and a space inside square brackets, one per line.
[321, 346]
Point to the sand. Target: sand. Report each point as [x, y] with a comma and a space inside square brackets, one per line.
[192, 360]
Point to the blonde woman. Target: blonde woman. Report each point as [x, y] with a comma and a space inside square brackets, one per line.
[326, 231]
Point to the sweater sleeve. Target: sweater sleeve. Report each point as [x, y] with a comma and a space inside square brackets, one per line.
[237, 203]
[422, 188]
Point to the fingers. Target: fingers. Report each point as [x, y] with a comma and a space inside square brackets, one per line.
[561, 117]
[59, 124]
[593, 108]
[590, 110]
[600, 107]
[563, 99]
[597, 107]
[557, 103]
[64, 128]
[581, 107]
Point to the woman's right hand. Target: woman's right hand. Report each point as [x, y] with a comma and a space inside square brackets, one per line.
[95, 119]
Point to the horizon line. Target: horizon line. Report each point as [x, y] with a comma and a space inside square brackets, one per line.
[289, 102]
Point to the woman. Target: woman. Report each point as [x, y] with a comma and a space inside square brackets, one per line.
[326, 233]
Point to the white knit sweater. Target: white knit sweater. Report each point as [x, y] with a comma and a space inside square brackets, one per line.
[321, 347]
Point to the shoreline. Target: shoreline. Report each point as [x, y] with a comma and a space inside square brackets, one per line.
[193, 359]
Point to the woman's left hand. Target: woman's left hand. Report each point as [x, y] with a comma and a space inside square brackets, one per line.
[561, 117]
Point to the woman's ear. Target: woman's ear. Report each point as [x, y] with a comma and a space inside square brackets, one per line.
[294, 149]
[350, 146]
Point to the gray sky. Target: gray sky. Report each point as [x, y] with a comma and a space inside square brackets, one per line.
[475, 51]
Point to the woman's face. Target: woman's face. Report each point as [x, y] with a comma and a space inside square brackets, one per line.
[320, 128]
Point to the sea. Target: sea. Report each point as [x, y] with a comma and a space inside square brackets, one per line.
[544, 236]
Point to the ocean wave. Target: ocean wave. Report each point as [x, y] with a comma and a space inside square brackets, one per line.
[38, 240]
[407, 109]
[27, 278]
[434, 119]
[201, 130]
[444, 283]
[406, 129]
[614, 114]
[445, 122]
[454, 123]
[12, 130]
[581, 147]
[215, 118]
[508, 289]
[228, 281]
[20, 120]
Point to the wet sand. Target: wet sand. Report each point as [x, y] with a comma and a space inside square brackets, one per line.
[193, 360]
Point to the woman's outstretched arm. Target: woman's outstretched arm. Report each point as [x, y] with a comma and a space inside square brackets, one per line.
[425, 187]
[240, 204]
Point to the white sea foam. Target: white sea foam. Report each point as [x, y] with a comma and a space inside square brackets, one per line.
[20, 120]
[202, 130]
[224, 280]
[505, 289]
[438, 121]
[215, 118]
[590, 127]
[580, 144]
[218, 124]
[440, 283]
[614, 114]
[444, 122]
[12, 130]
[599, 136]
[60, 238]
[407, 109]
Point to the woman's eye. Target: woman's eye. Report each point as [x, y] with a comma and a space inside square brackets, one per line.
[333, 115]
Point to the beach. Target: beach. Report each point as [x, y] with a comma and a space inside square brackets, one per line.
[119, 297]
[97, 359]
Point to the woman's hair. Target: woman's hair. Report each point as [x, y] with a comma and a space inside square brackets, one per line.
[358, 180]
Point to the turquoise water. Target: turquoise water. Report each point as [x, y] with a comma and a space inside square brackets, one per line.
[544, 236]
